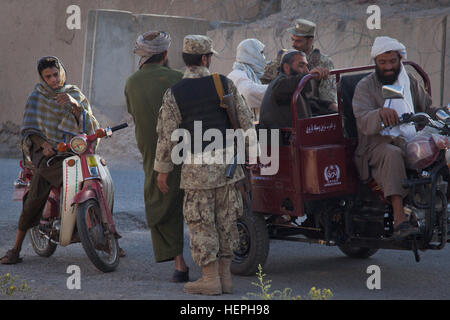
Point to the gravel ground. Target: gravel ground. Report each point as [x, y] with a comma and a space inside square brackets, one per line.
[290, 265]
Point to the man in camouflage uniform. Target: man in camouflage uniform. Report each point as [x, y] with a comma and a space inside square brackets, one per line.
[212, 202]
[272, 69]
[302, 37]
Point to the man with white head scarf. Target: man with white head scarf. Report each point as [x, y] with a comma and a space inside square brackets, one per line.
[380, 152]
[144, 91]
[247, 71]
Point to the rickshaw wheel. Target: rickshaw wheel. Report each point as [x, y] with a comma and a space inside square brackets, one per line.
[253, 247]
[358, 252]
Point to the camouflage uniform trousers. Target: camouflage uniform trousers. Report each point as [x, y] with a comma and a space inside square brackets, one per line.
[211, 215]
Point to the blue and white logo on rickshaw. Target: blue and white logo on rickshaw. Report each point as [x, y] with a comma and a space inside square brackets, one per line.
[332, 175]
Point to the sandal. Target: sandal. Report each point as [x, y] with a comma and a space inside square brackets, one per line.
[403, 230]
[11, 257]
[180, 276]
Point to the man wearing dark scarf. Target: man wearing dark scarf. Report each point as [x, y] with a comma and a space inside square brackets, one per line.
[144, 91]
[55, 112]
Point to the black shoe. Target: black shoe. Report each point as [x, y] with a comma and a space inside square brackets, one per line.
[404, 230]
[180, 276]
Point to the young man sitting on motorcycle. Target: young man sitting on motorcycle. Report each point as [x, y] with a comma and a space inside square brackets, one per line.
[54, 112]
[380, 151]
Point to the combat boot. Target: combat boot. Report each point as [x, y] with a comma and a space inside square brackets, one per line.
[225, 275]
[208, 284]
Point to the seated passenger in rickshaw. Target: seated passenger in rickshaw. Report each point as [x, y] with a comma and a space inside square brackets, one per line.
[275, 110]
[380, 152]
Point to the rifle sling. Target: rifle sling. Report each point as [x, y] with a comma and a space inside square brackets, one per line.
[242, 185]
[220, 92]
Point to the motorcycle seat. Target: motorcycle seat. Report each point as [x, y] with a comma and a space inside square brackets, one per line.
[346, 86]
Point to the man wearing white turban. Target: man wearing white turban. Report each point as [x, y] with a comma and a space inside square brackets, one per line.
[150, 44]
[380, 152]
[247, 71]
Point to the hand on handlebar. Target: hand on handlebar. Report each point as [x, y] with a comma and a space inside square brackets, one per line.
[389, 117]
[321, 73]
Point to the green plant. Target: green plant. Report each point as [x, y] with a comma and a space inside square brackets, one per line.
[285, 294]
[320, 294]
[8, 285]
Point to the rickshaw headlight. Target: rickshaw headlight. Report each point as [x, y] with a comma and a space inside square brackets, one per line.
[78, 145]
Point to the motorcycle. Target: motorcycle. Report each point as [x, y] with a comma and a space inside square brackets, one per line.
[317, 196]
[81, 209]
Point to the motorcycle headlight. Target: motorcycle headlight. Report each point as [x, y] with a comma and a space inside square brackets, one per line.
[78, 145]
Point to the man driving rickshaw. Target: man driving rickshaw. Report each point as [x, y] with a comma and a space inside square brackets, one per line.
[381, 151]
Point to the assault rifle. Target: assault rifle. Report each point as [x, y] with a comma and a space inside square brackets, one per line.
[227, 103]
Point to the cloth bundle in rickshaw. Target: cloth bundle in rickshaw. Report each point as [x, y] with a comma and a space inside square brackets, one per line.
[423, 149]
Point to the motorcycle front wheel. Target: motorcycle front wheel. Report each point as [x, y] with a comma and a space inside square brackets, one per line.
[100, 245]
[41, 245]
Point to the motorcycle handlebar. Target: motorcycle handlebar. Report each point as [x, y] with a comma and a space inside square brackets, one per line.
[107, 132]
[418, 118]
[120, 126]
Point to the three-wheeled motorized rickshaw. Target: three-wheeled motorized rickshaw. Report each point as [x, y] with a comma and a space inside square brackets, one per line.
[317, 179]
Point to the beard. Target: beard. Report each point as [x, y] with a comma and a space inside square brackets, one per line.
[166, 63]
[387, 79]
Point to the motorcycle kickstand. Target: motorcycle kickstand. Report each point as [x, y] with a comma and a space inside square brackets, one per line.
[414, 249]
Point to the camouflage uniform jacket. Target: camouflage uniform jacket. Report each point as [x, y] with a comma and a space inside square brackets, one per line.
[327, 88]
[195, 176]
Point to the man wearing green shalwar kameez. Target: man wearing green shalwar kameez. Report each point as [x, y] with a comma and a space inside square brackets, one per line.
[144, 91]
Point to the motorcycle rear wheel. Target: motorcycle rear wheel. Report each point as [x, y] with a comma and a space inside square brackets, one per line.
[41, 245]
[100, 245]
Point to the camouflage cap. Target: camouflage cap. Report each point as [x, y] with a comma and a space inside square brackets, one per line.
[302, 28]
[198, 44]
